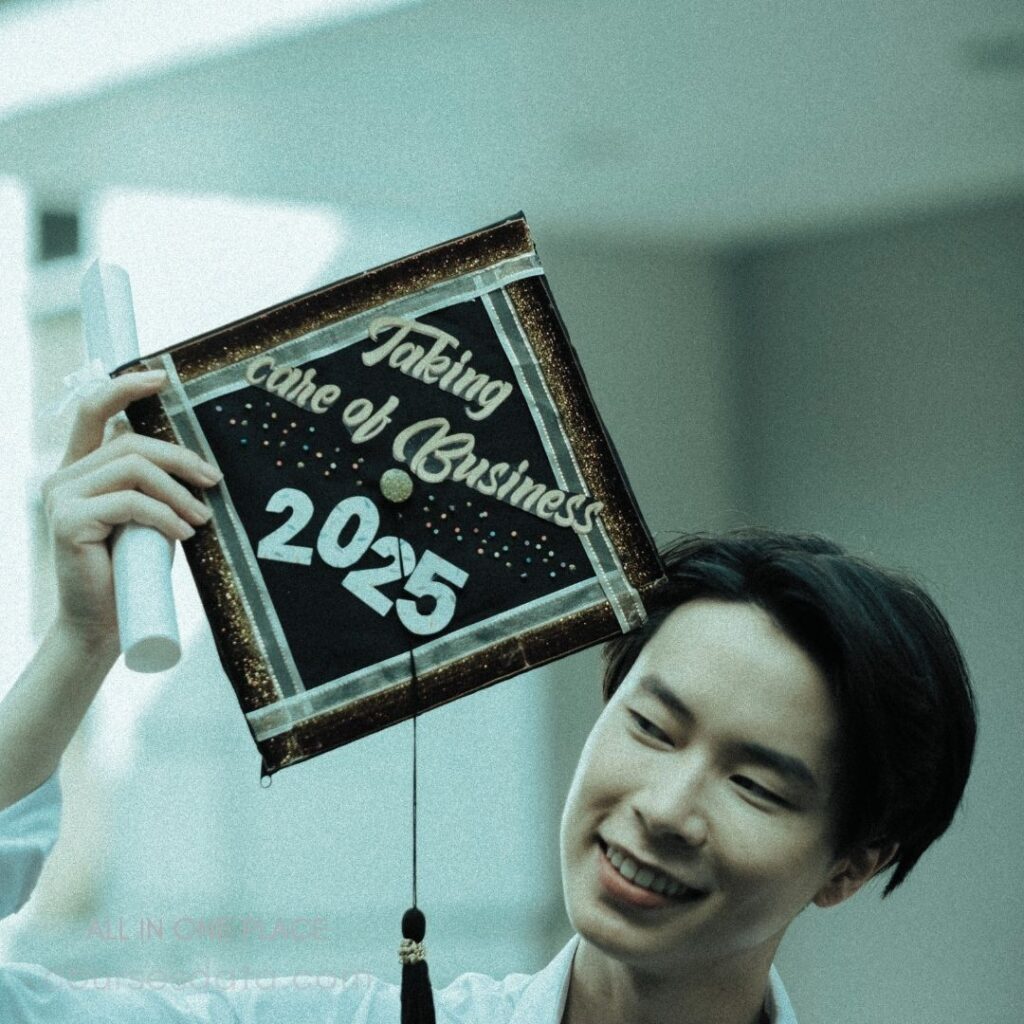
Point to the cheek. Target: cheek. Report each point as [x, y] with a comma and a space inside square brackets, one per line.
[598, 783]
[768, 861]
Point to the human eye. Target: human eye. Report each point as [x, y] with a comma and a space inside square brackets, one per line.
[648, 728]
[761, 792]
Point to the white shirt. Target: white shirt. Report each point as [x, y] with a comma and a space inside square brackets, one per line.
[32, 995]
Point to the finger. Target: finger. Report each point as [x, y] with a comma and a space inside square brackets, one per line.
[172, 458]
[134, 472]
[91, 520]
[105, 400]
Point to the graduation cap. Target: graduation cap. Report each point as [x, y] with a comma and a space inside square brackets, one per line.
[419, 497]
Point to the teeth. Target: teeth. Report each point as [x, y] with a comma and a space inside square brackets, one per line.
[646, 878]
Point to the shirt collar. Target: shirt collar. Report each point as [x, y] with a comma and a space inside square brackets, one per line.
[780, 1010]
[543, 999]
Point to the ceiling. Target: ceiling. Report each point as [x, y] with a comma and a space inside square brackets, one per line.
[705, 122]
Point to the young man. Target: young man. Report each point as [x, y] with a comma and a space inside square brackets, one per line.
[789, 723]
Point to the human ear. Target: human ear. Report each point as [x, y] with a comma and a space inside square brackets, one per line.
[852, 871]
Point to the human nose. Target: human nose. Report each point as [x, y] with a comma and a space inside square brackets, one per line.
[672, 806]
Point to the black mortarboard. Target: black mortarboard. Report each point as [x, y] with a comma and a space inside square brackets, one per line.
[419, 497]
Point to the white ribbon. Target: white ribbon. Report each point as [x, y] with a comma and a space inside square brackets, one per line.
[79, 384]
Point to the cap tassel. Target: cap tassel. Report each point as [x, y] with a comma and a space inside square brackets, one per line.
[417, 996]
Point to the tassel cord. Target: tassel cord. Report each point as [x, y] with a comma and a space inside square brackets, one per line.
[415, 786]
[417, 997]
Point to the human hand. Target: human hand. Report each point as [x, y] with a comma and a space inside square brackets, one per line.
[103, 484]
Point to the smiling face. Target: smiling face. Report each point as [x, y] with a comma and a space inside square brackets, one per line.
[699, 821]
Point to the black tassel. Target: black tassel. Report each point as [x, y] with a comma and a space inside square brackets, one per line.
[417, 997]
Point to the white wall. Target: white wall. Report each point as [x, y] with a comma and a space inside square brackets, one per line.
[884, 406]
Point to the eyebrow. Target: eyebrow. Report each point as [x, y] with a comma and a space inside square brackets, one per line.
[792, 768]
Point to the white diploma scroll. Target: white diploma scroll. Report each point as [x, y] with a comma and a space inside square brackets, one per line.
[142, 555]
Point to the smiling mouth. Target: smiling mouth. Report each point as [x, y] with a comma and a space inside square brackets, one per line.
[643, 876]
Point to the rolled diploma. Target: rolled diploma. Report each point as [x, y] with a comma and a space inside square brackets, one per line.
[142, 556]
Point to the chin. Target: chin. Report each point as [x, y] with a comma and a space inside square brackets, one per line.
[635, 939]
[654, 953]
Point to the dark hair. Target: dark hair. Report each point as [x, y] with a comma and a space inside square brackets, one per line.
[903, 700]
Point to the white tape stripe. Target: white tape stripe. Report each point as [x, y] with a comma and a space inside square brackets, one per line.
[631, 613]
[539, 420]
[383, 676]
[251, 588]
[531, 401]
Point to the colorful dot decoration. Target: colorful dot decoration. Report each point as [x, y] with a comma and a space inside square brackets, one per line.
[273, 429]
[537, 554]
[305, 454]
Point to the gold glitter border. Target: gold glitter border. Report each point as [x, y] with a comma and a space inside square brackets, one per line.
[234, 633]
[598, 462]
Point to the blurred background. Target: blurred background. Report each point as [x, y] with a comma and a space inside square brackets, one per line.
[786, 239]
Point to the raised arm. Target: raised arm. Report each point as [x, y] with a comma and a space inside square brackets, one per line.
[98, 486]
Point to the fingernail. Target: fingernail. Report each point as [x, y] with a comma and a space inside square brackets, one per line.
[186, 531]
[211, 476]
